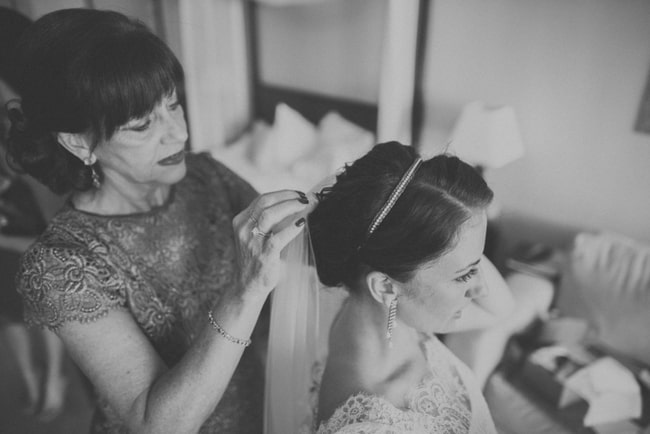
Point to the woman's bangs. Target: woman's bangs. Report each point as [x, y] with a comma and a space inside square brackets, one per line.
[146, 73]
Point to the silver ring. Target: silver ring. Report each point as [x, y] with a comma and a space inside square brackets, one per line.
[258, 232]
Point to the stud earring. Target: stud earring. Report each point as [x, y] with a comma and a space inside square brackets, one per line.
[392, 311]
[93, 173]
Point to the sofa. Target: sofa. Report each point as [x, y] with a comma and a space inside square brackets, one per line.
[596, 300]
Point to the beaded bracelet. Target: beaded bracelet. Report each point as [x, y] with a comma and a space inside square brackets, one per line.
[225, 334]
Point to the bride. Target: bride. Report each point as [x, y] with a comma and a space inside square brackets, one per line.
[404, 237]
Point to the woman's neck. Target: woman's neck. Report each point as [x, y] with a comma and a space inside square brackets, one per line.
[118, 199]
[364, 321]
[361, 359]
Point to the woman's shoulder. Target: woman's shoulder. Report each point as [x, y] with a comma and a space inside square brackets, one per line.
[68, 273]
[203, 164]
[205, 170]
[352, 369]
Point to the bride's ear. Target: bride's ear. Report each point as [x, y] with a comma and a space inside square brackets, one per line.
[381, 287]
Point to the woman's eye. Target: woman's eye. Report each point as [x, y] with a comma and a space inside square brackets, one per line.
[175, 105]
[144, 126]
[467, 276]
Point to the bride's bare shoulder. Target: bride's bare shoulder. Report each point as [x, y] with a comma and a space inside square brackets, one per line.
[342, 378]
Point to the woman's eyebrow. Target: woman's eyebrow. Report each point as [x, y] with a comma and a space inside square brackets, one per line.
[470, 265]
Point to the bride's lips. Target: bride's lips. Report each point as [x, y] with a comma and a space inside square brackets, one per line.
[173, 159]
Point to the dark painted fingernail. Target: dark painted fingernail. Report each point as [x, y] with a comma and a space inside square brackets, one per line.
[300, 222]
[301, 194]
[303, 200]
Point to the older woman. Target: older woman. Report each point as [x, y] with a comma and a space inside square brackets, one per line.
[155, 271]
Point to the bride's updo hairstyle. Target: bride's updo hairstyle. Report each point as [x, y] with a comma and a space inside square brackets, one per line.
[83, 71]
[424, 223]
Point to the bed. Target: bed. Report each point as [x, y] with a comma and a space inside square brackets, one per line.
[297, 139]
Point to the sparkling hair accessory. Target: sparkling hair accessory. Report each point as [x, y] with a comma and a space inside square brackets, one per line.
[397, 192]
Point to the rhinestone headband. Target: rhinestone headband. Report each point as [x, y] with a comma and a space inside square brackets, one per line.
[397, 192]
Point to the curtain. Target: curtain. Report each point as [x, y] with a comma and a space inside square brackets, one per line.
[397, 79]
[214, 55]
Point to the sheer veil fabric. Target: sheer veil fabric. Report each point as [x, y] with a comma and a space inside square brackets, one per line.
[297, 338]
[293, 342]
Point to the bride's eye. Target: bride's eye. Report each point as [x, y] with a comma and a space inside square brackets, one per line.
[467, 276]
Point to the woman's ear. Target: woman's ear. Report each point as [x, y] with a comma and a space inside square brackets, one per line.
[78, 145]
[381, 287]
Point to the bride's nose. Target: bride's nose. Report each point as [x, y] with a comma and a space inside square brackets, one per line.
[477, 291]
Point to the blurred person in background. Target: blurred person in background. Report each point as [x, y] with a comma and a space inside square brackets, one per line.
[21, 221]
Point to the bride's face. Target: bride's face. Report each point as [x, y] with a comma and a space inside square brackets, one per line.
[434, 300]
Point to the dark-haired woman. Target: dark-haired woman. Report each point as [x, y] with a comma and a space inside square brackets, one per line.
[405, 238]
[156, 270]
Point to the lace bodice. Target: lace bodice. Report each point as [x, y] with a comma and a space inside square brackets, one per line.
[166, 267]
[447, 401]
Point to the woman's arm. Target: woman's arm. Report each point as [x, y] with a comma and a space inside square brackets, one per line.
[151, 398]
[126, 370]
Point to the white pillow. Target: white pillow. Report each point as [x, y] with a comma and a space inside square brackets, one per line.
[611, 274]
[339, 141]
[291, 137]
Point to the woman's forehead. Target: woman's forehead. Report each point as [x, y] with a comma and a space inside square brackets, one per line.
[467, 249]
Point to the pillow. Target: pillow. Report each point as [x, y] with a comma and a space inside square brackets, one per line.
[291, 137]
[338, 141]
[610, 275]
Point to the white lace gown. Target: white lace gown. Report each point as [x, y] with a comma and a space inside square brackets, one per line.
[447, 401]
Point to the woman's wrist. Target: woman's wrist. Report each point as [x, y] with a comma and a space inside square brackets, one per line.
[237, 302]
[235, 340]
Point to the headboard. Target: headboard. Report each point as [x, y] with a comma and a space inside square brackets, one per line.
[312, 105]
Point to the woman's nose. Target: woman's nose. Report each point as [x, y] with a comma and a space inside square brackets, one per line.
[176, 126]
[477, 291]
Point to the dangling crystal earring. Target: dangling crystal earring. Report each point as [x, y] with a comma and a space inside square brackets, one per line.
[93, 173]
[392, 311]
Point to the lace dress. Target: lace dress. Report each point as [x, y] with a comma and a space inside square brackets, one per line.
[447, 401]
[166, 267]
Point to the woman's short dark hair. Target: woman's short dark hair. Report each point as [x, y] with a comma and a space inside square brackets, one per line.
[84, 71]
[424, 223]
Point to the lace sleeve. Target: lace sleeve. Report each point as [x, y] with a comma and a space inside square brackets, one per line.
[67, 284]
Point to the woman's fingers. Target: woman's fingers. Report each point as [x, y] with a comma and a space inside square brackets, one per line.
[263, 230]
[280, 239]
[271, 209]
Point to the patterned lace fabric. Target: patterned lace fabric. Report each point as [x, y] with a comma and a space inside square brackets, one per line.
[166, 267]
[447, 401]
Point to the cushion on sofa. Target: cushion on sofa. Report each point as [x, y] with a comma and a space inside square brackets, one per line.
[607, 281]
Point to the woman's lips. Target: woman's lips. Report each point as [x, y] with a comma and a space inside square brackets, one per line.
[173, 159]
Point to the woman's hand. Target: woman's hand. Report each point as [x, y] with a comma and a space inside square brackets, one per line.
[262, 230]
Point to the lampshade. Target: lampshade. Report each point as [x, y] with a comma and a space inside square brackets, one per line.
[487, 136]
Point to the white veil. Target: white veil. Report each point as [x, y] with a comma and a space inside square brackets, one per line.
[293, 342]
[300, 317]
